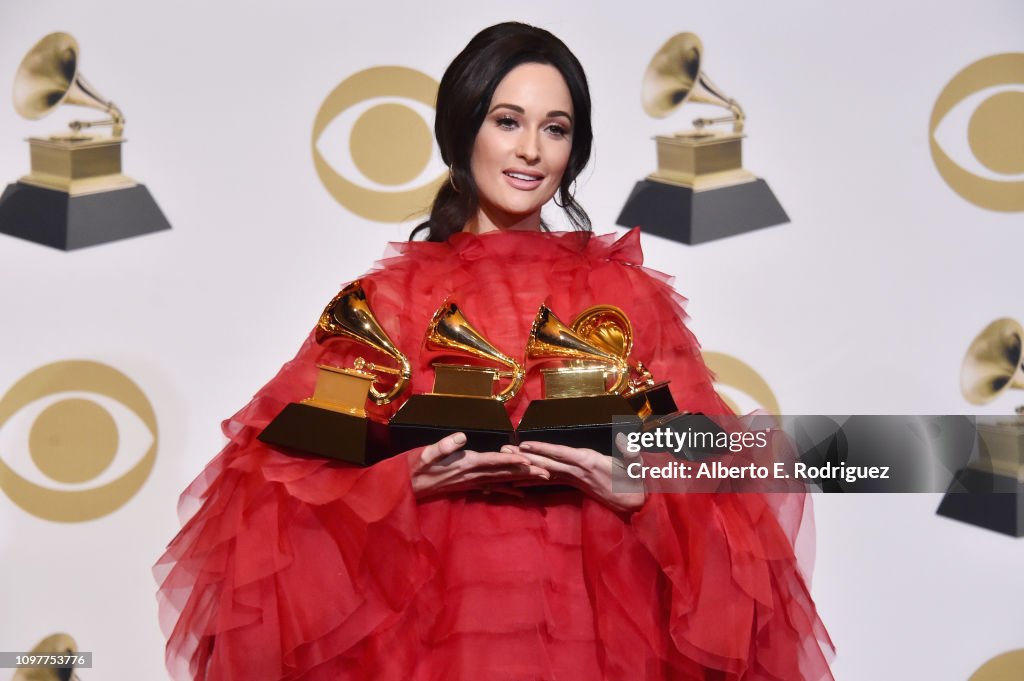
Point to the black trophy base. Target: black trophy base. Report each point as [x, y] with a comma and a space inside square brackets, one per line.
[57, 219]
[589, 422]
[425, 419]
[985, 499]
[681, 214]
[305, 429]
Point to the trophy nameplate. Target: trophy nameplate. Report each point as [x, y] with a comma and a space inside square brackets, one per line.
[989, 492]
[700, 191]
[75, 194]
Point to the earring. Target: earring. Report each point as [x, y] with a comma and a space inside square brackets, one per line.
[451, 179]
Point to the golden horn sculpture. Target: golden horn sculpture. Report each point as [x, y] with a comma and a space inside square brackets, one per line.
[349, 315]
[675, 77]
[552, 338]
[994, 362]
[49, 76]
[449, 330]
[608, 328]
[55, 644]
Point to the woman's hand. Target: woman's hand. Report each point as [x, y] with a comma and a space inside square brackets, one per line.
[445, 467]
[590, 471]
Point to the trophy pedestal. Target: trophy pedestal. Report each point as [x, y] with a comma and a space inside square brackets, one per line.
[990, 492]
[701, 192]
[425, 419]
[68, 222]
[986, 499]
[314, 430]
[76, 196]
[332, 423]
[589, 422]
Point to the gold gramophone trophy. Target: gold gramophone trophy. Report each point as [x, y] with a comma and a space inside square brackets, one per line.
[700, 190]
[60, 646]
[75, 194]
[593, 391]
[989, 492]
[463, 398]
[333, 422]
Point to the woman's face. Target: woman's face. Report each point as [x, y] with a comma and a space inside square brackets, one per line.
[522, 147]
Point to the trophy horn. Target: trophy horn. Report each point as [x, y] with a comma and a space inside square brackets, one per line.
[55, 644]
[450, 330]
[48, 76]
[993, 363]
[608, 328]
[675, 77]
[349, 315]
[550, 337]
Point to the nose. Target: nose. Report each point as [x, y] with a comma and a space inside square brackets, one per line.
[529, 148]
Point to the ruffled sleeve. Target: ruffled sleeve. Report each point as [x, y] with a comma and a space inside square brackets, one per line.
[286, 562]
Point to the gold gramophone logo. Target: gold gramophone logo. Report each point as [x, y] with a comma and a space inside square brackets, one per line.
[71, 434]
[700, 190]
[75, 194]
[735, 375]
[388, 142]
[989, 94]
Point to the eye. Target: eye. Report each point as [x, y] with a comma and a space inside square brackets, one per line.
[975, 133]
[77, 441]
[506, 122]
[372, 143]
[558, 130]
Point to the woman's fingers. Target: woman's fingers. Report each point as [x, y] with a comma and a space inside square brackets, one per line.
[442, 448]
[570, 455]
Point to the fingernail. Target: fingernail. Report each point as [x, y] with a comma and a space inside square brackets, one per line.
[459, 439]
[526, 446]
[506, 450]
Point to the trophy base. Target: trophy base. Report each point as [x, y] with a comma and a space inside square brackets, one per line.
[67, 222]
[986, 499]
[587, 422]
[425, 419]
[307, 429]
[693, 216]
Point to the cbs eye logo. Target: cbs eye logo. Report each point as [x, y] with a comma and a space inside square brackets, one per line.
[979, 117]
[740, 387]
[71, 435]
[373, 126]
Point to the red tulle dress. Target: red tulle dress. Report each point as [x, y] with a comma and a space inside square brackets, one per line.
[311, 569]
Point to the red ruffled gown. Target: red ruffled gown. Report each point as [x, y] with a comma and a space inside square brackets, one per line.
[294, 568]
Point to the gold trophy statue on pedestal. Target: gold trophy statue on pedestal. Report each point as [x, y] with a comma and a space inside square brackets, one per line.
[333, 422]
[594, 390]
[463, 398]
[989, 491]
[700, 190]
[75, 194]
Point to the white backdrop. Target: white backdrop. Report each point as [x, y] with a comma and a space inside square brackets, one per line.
[864, 303]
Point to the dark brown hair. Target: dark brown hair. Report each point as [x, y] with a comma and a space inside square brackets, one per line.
[462, 100]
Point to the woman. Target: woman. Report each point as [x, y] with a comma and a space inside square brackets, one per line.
[441, 563]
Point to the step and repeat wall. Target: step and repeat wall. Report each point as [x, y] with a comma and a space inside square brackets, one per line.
[287, 143]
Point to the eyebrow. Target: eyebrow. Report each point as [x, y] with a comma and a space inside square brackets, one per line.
[519, 109]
